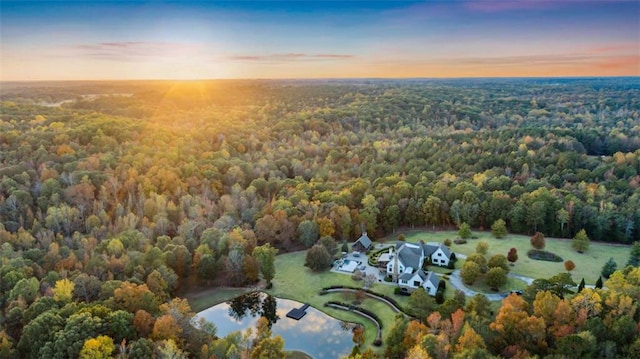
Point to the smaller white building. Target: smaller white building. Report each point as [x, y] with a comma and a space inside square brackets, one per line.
[412, 281]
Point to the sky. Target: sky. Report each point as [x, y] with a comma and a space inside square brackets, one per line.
[108, 40]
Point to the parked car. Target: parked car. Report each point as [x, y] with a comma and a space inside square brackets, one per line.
[356, 254]
[516, 292]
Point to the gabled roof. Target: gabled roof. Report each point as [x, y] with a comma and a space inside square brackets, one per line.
[409, 254]
[364, 241]
[430, 248]
[405, 276]
[431, 278]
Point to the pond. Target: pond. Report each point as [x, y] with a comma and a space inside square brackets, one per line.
[316, 334]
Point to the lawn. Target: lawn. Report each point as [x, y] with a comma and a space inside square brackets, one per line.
[588, 264]
[200, 299]
[294, 281]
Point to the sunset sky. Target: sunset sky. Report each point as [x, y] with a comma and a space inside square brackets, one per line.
[78, 40]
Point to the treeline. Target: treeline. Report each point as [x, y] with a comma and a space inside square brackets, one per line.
[176, 179]
[544, 322]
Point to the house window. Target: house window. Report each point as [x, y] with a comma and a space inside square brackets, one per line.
[442, 261]
[416, 283]
[439, 254]
[404, 281]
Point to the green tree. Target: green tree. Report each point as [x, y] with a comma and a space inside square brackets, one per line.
[421, 303]
[581, 285]
[599, 283]
[634, 255]
[482, 247]
[369, 212]
[609, 268]
[330, 244]
[308, 232]
[470, 272]
[499, 229]
[580, 242]
[266, 256]
[496, 277]
[318, 258]
[395, 343]
[498, 260]
[464, 231]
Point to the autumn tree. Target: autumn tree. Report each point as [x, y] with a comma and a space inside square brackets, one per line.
[512, 256]
[569, 265]
[63, 291]
[515, 326]
[99, 347]
[537, 241]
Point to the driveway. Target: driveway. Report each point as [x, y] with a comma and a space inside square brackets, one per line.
[456, 282]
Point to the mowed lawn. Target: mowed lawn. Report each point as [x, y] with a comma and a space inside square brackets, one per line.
[588, 264]
[295, 281]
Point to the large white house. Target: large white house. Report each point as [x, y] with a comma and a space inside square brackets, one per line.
[413, 255]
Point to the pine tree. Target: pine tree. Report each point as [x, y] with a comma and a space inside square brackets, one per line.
[634, 256]
[581, 286]
[599, 282]
[609, 268]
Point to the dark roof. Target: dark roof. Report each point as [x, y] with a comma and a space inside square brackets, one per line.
[431, 278]
[405, 276]
[429, 249]
[409, 255]
[364, 241]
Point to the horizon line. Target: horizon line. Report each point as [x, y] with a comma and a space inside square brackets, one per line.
[327, 78]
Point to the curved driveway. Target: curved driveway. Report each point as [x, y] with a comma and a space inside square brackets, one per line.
[456, 282]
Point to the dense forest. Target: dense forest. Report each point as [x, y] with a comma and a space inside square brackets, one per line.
[113, 194]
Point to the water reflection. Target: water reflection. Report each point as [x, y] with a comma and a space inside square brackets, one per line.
[256, 304]
[316, 334]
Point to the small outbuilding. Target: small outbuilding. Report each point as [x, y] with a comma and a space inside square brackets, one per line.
[362, 244]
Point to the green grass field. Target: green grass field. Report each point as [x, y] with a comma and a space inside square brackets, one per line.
[588, 264]
[294, 281]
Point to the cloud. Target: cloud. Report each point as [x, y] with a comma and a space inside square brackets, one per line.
[508, 5]
[133, 50]
[290, 57]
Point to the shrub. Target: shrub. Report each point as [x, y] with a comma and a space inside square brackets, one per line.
[544, 256]
[440, 296]
[569, 265]
[401, 237]
[442, 285]
[447, 242]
